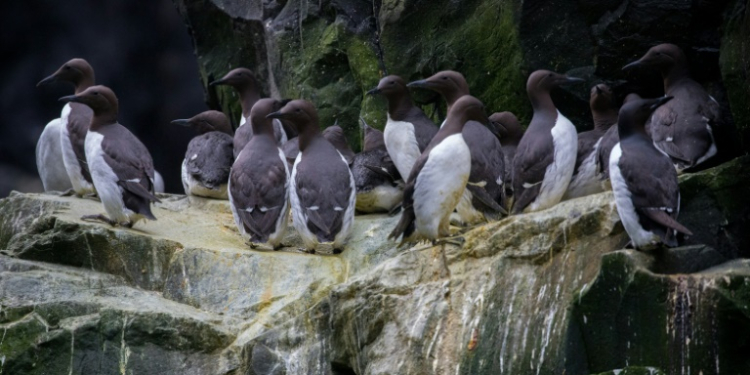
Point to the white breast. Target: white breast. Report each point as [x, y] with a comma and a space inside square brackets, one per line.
[49, 161]
[80, 185]
[586, 181]
[105, 181]
[625, 208]
[440, 184]
[401, 143]
[299, 218]
[560, 171]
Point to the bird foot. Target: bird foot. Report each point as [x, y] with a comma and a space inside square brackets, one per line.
[100, 217]
[68, 193]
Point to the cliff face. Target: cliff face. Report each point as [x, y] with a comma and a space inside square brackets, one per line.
[542, 293]
[332, 51]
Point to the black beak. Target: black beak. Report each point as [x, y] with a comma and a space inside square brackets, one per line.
[573, 79]
[181, 122]
[276, 114]
[374, 91]
[422, 83]
[632, 65]
[218, 82]
[660, 102]
[47, 80]
[70, 98]
[598, 90]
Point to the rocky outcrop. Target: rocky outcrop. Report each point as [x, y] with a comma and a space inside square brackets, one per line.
[540, 293]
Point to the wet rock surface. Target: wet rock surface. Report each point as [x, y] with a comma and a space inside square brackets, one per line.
[537, 293]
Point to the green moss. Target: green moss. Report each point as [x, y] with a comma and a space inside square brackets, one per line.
[482, 44]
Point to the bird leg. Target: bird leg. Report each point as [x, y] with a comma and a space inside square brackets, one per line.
[445, 272]
[99, 217]
[394, 210]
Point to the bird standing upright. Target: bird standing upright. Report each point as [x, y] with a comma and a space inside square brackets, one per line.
[121, 166]
[322, 191]
[259, 181]
[484, 197]
[644, 182]
[408, 131]
[439, 177]
[546, 156]
[683, 128]
[75, 120]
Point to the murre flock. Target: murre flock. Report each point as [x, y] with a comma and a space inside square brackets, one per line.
[484, 197]
[644, 181]
[75, 120]
[121, 167]
[476, 165]
[208, 158]
[683, 127]
[247, 87]
[259, 181]
[322, 192]
[545, 157]
[586, 179]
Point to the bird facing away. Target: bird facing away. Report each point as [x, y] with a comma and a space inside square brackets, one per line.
[378, 183]
[75, 120]
[247, 87]
[484, 197]
[546, 156]
[439, 177]
[209, 156]
[644, 182]
[507, 126]
[121, 167]
[408, 131]
[683, 127]
[322, 191]
[586, 178]
[259, 181]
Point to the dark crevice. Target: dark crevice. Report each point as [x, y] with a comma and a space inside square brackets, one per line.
[376, 4]
[341, 369]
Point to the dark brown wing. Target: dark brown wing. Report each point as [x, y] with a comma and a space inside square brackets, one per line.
[79, 120]
[132, 164]
[209, 157]
[242, 136]
[259, 186]
[324, 187]
[532, 158]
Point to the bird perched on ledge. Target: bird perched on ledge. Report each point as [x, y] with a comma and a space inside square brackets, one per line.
[75, 120]
[484, 197]
[208, 158]
[322, 191]
[546, 155]
[121, 167]
[439, 177]
[683, 127]
[259, 181]
[644, 181]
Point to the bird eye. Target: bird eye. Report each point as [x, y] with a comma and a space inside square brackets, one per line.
[96, 92]
[445, 77]
[67, 67]
[297, 110]
[392, 83]
[549, 75]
